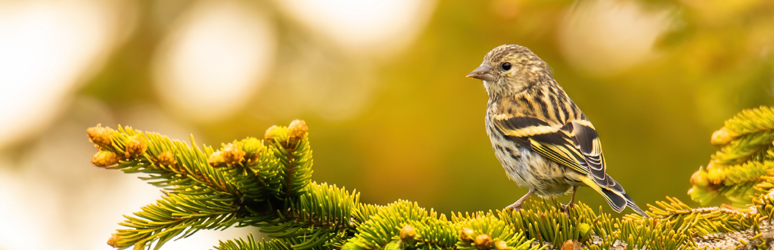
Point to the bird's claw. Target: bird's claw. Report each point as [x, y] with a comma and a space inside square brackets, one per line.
[567, 207]
[514, 207]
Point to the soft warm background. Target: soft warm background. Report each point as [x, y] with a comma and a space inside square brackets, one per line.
[380, 83]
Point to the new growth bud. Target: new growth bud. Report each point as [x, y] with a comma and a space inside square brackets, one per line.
[216, 160]
[501, 245]
[135, 147]
[297, 130]
[722, 137]
[99, 136]
[275, 134]
[407, 234]
[571, 245]
[232, 154]
[113, 241]
[166, 158]
[252, 148]
[104, 158]
[699, 178]
[715, 174]
[288, 137]
[483, 242]
[466, 235]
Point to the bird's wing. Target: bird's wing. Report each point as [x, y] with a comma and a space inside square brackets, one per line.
[586, 140]
[553, 141]
[574, 144]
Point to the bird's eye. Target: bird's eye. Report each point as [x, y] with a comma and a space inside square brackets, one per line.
[506, 66]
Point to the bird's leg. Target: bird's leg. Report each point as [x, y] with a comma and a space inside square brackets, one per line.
[517, 205]
[572, 201]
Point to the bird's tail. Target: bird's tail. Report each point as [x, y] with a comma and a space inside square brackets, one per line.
[618, 200]
[630, 203]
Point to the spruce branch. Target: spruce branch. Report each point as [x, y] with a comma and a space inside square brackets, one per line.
[743, 166]
[251, 244]
[267, 184]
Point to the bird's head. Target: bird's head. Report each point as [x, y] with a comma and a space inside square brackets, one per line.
[511, 69]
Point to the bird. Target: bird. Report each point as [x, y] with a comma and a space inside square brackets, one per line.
[542, 139]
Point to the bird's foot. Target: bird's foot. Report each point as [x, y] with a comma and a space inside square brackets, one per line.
[515, 207]
[567, 208]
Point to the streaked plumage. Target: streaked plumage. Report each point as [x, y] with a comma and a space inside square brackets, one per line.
[542, 139]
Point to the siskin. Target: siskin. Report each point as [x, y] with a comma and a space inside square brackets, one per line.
[542, 139]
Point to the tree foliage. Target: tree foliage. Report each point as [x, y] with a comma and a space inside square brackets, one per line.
[744, 163]
[267, 184]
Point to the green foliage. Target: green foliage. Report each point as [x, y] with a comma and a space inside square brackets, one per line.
[741, 168]
[652, 234]
[489, 226]
[379, 229]
[751, 121]
[267, 184]
[702, 221]
[250, 243]
[547, 221]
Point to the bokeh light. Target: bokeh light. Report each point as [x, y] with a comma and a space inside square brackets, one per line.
[46, 50]
[363, 26]
[605, 37]
[214, 59]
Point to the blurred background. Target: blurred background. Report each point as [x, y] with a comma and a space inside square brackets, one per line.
[380, 83]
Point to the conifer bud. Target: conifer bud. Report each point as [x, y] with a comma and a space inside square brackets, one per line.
[166, 158]
[104, 158]
[135, 147]
[715, 175]
[723, 136]
[99, 136]
[216, 160]
[275, 134]
[501, 245]
[113, 241]
[407, 234]
[571, 245]
[232, 154]
[252, 148]
[297, 131]
[483, 242]
[466, 235]
[699, 178]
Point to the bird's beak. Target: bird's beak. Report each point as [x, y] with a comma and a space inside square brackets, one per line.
[482, 73]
